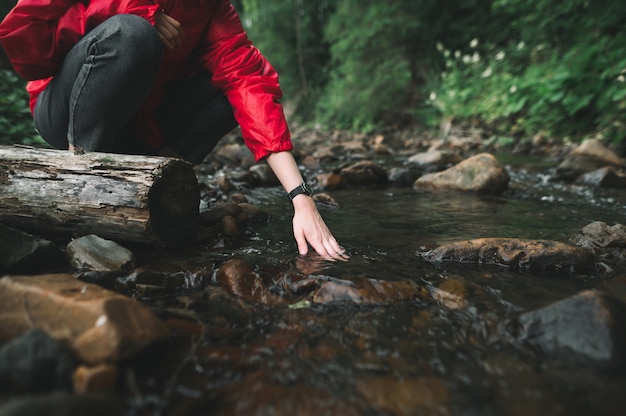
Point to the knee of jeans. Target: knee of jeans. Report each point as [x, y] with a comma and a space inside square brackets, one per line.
[138, 36]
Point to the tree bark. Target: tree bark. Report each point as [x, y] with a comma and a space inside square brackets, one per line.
[148, 200]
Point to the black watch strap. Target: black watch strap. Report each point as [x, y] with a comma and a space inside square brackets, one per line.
[303, 188]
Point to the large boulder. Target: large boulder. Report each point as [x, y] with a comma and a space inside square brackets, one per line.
[588, 327]
[481, 173]
[515, 253]
[97, 324]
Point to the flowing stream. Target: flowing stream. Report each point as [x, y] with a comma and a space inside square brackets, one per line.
[405, 358]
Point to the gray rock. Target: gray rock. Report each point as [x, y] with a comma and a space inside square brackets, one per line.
[35, 362]
[24, 253]
[589, 327]
[481, 173]
[95, 253]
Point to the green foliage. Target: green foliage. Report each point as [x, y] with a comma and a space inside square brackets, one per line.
[565, 75]
[16, 123]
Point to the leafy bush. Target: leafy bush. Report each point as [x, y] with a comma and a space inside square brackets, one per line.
[16, 123]
[565, 79]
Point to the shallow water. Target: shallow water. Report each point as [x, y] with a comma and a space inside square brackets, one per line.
[413, 357]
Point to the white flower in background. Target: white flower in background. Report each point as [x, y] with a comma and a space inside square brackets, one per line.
[440, 47]
[467, 59]
[513, 89]
[446, 53]
[474, 43]
[432, 96]
[475, 57]
[621, 78]
[487, 72]
[521, 45]
[500, 56]
[457, 54]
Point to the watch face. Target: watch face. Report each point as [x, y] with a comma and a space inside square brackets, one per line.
[307, 189]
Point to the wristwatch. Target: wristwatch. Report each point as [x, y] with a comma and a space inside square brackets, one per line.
[303, 188]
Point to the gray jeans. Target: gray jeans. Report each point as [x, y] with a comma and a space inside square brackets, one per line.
[92, 100]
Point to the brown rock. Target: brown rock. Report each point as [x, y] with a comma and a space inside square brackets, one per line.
[238, 278]
[481, 173]
[365, 173]
[425, 395]
[97, 379]
[516, 253]
[97, 324]
[364, 291]
[331, 180]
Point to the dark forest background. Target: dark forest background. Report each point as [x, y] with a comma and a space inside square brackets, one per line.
[515, 68]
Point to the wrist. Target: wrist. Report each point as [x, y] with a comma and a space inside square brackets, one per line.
[302, 189]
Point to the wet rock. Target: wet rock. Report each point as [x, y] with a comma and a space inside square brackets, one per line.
[324, 200]
[600, 235]
[254, 396]
[215, 214]
[224, 183]
[94, 253]
[97, 324]
[96, 379]
[332, 180]
[240, 211]
[436, 159]
[606, 177]
[364, 291]
[169, 276]
[452, 293]
[229, 226]
[262, 175]
[481, 173]
[365, 173]
[404, 176]
[250, 213]
[64, 404]
[515, 253]
[25, 253]
[414, 396]
[590, 326]
[591, 155]
[238, 278]
[34, 363]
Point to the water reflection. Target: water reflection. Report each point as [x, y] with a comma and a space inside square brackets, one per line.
[430, 355]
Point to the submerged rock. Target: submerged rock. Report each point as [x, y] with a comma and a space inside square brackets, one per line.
[590, 326]
[481, 173]
[65, 404]
[97, 324]
[364, 291]
[238, 278]
[515, 253]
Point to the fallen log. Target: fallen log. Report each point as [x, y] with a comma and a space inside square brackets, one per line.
[142, 199]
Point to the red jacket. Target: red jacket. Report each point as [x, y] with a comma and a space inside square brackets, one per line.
[37, 34]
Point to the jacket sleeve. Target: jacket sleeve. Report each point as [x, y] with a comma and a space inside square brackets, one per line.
[37, 35]
[248, 80]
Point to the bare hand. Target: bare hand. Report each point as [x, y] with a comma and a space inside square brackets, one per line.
[170, 31]
[308, 226]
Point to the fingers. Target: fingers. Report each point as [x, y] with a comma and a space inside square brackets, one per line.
[170, 31]
[320, 239]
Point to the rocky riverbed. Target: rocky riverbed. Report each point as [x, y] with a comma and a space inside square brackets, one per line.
[484, 324]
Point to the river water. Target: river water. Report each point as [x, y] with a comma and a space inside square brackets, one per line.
[415, 357]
